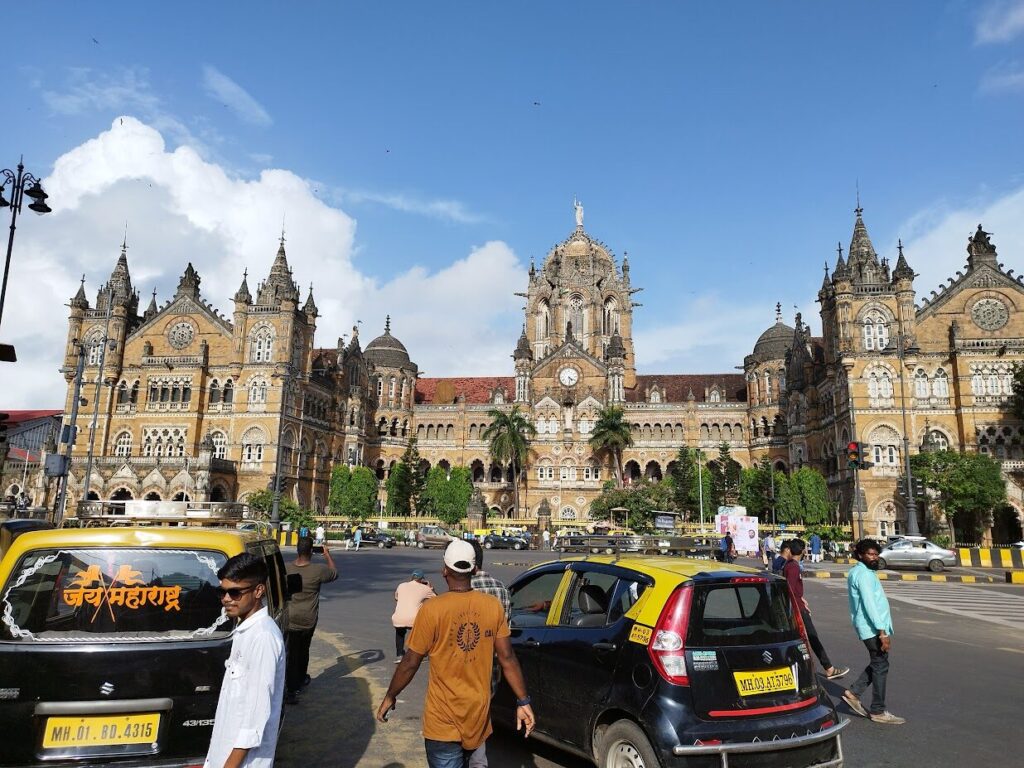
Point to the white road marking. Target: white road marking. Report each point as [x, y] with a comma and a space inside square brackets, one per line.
[993, 607]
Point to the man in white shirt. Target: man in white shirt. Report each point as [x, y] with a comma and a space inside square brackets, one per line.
[249, 707]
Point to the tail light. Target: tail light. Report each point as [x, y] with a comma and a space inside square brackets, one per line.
[798, 617]
[667, 645]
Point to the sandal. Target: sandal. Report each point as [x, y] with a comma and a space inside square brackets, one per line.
[837, 672]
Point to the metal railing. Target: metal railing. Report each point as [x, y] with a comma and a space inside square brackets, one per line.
[161, 512]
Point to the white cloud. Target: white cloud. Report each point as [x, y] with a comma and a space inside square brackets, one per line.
[935, 239]
[181, 208]
[234, 97]
[1006, 78]
[448, 210]
[1000, 22]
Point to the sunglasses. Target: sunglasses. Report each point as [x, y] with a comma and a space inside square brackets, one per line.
[234, 592]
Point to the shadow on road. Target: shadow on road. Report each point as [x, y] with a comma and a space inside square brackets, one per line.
[508, 749]
[333, 722]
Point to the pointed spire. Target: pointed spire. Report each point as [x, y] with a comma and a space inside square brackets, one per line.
[242, 295]
[842, 270]
[778, 312]
[310, 306]
[387, 325]
[903, 270]
[826, 282]
[120, 284]
[861, 249]
[152, 309]
[80, 299]
[523, 350]
[279, 285]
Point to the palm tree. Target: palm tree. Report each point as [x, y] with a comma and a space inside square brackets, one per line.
[611, 434]
[509, 436]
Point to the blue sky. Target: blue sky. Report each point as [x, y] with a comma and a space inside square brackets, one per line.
[421, 153]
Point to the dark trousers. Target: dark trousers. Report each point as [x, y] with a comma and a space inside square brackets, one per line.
[816, 646]
[874, 674]
[400, 640]
[297, 664]
[446, 754]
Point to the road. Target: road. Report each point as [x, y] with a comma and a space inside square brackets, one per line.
[957, 659]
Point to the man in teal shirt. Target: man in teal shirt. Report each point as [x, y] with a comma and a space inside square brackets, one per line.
[869, 612]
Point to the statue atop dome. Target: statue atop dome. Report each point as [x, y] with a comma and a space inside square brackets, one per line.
[579, 212]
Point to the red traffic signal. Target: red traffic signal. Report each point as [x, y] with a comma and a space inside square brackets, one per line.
[853, 455]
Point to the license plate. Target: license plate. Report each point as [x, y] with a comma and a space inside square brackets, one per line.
[765, 681]
[101, 730]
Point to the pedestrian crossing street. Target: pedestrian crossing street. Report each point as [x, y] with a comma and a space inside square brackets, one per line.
[994, 606]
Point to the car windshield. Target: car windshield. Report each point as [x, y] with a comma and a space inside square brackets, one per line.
[113, 594]
[750, 613]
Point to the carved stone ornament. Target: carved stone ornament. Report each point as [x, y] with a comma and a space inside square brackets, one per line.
[181, 334]
[990, 314]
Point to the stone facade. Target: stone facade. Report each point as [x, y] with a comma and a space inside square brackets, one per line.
[198, 403]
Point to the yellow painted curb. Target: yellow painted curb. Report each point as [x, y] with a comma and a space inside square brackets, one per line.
[1015, 577]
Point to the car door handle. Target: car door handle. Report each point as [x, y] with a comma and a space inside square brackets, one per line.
[604, 646]
[531, 643]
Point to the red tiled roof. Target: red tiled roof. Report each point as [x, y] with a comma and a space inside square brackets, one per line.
[19, 417]
[476, 389]
[677, 386]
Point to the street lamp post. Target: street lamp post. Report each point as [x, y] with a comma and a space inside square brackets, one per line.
[69, 435]
[901, 353]
[700, 489]
[275, 508]
[104, 342]
[21, 184]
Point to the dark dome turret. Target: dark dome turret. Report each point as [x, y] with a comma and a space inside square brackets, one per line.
[387, 351]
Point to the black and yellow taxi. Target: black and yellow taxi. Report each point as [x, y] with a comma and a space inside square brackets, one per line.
[113, 640]
[648, 661]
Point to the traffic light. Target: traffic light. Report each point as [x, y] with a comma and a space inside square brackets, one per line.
[853, 455]
[901, 487]
[918, 487]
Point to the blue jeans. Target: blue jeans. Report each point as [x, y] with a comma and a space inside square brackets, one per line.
[874, 675]
[446, 754]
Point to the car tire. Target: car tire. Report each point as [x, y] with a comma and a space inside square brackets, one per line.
[624, 745]
[935, 566]
[380, 545]
[517, 546]
[488, 545]
[419, 544]
[882, 565]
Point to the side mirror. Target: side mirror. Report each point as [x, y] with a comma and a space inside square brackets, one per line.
[294, 584]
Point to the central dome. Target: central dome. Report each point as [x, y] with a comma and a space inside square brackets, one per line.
[774, 342]
[388, 351]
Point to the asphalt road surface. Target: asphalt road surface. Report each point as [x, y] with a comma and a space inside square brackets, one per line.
[957, 662]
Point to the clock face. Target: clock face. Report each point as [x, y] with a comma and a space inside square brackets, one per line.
[181, 334]
[990, 314]
[569, 377]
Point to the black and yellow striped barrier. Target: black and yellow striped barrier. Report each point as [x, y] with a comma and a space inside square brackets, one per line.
[1015, 577]
[288, 538]
[950, 578]
[990, 557]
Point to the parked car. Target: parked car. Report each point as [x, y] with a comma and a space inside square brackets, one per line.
[432, 536]
[658, 662]
[916, 552]
[499, 541]
[113, 642]
[375, 537]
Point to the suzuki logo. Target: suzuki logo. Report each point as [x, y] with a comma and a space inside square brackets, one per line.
[767, 656]
[106, 689]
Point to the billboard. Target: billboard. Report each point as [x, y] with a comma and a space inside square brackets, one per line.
[743, 528]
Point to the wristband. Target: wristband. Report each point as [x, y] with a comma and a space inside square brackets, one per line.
[524, 702]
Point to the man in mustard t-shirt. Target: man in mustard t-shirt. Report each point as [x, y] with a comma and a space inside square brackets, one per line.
[461, 631]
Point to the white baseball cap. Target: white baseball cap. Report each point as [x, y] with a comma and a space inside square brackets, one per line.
[460, 556]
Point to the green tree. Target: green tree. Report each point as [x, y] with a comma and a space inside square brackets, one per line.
[812, 491]
[446, 494]
[340, 476]
[788, 505]
[359, 499]
[509, 436]
[756, 489]
[725, 478]
[263, 502]
[411, 459]
[399, 488]
[642, 499]
[684, 477]
[611, 435]
[962, 484]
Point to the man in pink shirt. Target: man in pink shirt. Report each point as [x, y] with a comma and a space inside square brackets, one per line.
[409, 596]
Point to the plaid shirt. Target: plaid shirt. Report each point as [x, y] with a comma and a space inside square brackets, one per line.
[484, 582]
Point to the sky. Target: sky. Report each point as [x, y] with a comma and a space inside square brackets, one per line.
[418, 155]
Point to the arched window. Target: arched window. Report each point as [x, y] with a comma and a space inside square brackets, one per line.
[122, 393]
[939, 440]
[876, 331]
[214, 392]
[940, 387]
[885, 442]
[568, 513]
[228, 393]
[715, 396]
[123, 444]
[253, 441]
[768, 387]
[220, 445]
[257, 391]
[921, 384]
[261, 345]
[575, 316]
[94, 346]
[611, 317]
[655, 396]
[380, 387]
[543, 319]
